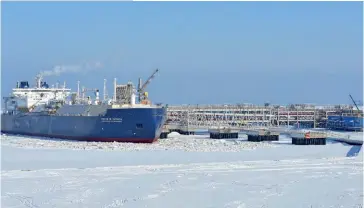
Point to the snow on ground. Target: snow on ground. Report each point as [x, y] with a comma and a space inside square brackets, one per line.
[182, 171]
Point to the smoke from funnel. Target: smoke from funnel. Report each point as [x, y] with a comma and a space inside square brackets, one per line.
[60, 69]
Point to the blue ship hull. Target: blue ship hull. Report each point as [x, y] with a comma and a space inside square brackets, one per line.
[143, 125]
[345, 123]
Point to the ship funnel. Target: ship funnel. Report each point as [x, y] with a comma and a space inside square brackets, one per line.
[38, 80]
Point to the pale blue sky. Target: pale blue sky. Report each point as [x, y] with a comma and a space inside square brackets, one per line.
[207, 52]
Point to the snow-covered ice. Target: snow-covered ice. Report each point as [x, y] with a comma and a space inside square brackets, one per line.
[181, 171]
[200, 143]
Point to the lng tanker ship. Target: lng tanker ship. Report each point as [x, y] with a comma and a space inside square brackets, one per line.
[57, 112]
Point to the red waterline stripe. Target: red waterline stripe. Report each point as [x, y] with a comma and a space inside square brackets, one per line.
[91, 139]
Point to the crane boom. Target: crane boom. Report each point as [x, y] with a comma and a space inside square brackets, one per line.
[141, 87]
[148, 80]
[354, 103]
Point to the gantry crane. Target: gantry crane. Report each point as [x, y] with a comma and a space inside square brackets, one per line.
[355, 104]
[142, 95]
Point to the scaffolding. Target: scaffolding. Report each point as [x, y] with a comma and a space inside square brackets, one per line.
[248, 115]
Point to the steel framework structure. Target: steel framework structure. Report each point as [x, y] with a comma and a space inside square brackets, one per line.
[243, 115]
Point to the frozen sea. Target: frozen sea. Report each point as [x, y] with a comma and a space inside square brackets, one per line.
[181, 171]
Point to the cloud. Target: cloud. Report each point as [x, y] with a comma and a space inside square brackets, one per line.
[60, 69]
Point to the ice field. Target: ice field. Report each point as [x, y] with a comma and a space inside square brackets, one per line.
[181, 171]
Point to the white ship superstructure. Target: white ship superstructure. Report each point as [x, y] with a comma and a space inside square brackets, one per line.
[27, 98]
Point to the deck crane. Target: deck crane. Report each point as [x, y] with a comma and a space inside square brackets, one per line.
[142, 95]
[355, 104]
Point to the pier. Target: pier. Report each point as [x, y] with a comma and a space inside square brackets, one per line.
[262, 135]
[309, 138]
[223, 133]
[260, 123]
[242, 116]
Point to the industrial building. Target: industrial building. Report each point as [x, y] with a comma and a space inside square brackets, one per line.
[338, 117]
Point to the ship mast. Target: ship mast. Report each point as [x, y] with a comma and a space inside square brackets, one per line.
[105, 91]
[114, 98]
[78, 91]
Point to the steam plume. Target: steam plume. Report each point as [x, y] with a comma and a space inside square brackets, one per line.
[60, 69]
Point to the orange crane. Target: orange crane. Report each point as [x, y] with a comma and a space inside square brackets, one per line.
[142, 95]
